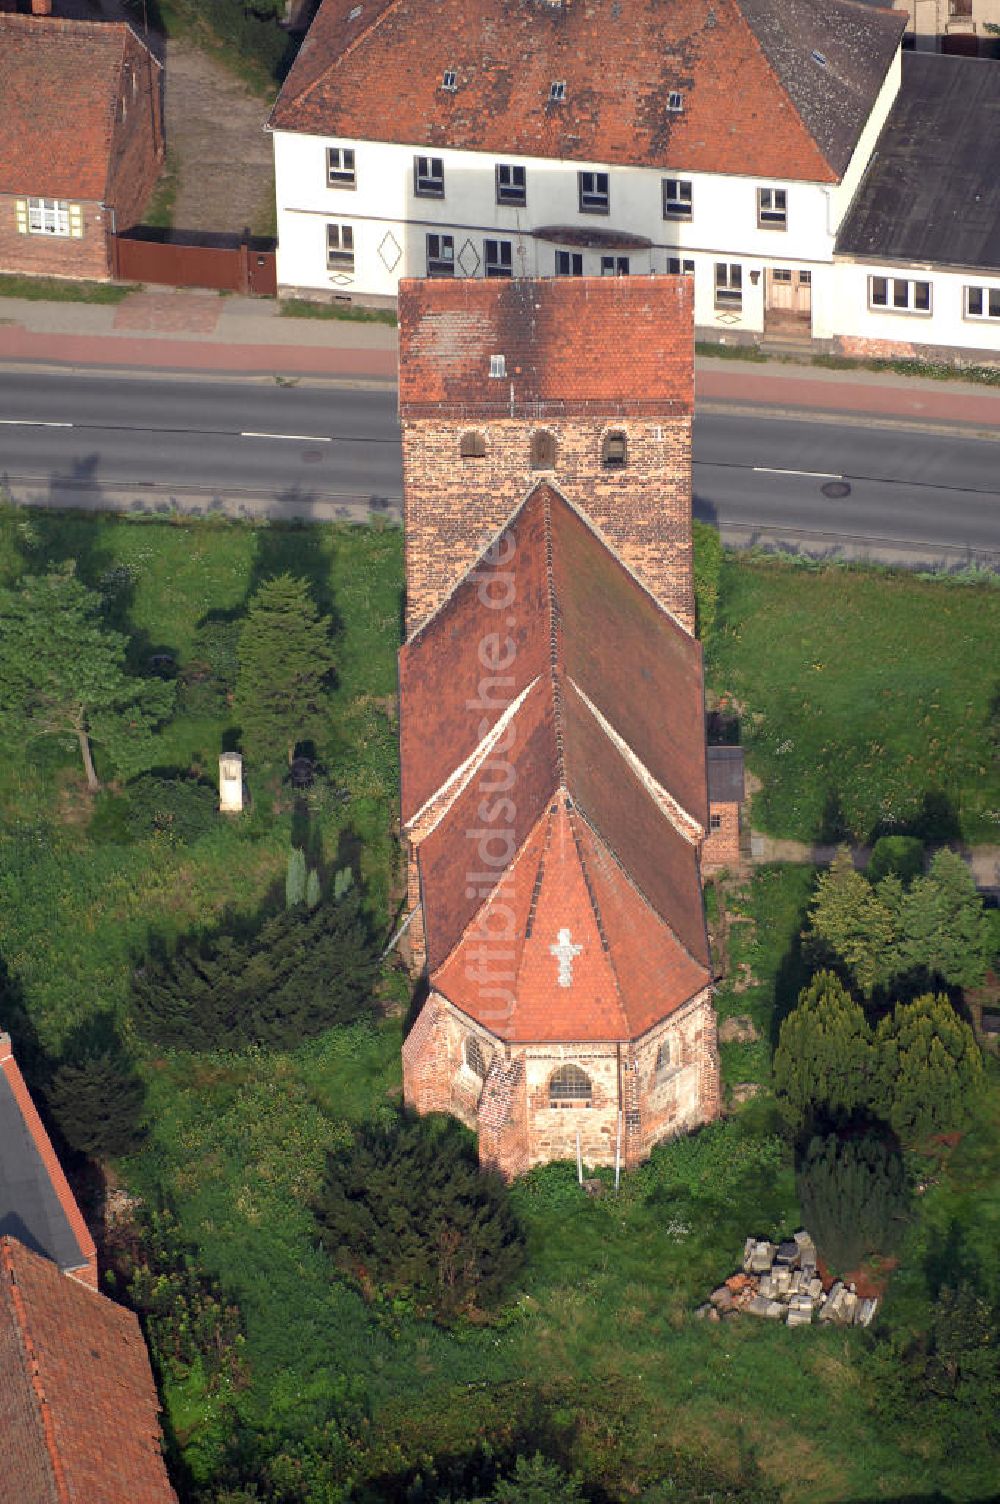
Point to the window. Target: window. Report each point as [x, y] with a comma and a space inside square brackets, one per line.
[676, 267]
[668, 1059]
[772, 208]
[569, 264]
[543, 450]
[595, 195]
[340, 171]
[498, 365]
[676, 198]
[728, 285]
[959, 8]
[715, 822]
[48, 216]
[899, 294]
[511, 184]
[982, 302]
[614, 450]
[498, 256]
[340, 248]
[569, 1086]
[474, 1057]
[449, 81]
[472, 445]
[781, 274]
[440, 255]
[614, 266]
[805, 279]
[428, 177]
[557, 91]
[675, 102]
[818, 58]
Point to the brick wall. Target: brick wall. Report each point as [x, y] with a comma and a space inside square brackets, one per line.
[453, 506]
[137, 144]
[84, 255]
[722, 846]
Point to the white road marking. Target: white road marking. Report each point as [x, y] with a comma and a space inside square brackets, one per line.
[812, 474]
[32, 423]
[298, 438]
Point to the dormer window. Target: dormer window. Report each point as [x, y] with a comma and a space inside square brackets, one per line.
[614, 450]
[498, 366]
[675, 102]
[557, 91]
[449, 81]
[819, 59]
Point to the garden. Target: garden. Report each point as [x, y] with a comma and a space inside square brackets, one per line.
[337, 1306]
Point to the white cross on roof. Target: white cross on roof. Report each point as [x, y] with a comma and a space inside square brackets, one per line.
[564, 950]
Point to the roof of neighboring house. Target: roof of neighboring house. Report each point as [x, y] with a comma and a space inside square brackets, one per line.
[36, 1203]
[570, 345]
[60, 84]
[756, 101]
[561, 787]
[80, 1411]
[932, 193]
[726, 782]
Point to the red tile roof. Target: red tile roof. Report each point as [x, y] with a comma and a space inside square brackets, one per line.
[580, 815]
[78, 1405]
[60, 83]
[571, 345]
[756, 101]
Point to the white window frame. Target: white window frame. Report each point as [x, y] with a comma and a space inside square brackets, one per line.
[569, 263]
[680, 266]
[498, 261]
[49, 216]
[341, 167]
[989, 298]
[440, 254]
[678, 198]
[772, 208]
[615, 266]
[428, 177]
[339, 247]
[508, 190]
[890, 302]
[594, 190]
[729, 285]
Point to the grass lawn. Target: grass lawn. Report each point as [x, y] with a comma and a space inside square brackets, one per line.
[865, 698]
[597, 1357]
[63, 289]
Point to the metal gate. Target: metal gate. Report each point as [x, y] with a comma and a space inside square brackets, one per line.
[227, 263]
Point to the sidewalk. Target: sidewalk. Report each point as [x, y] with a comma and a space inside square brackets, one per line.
[983, 861]
[193, 331]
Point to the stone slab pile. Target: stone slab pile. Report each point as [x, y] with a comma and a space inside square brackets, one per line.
[780, 1282]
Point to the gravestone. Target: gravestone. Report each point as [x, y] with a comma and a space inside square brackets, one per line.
[231, 783]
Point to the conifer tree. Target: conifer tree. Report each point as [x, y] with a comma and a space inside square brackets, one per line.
[97, 1102]
[825, 1063]
[929, 1068]
[295, 878]
[854, 924]
[285, 663]
[945, 931]
[852, 1192]
[313, 892]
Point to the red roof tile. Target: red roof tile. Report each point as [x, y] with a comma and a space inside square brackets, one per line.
[78, 1405]
[755, 99]
[60, 82]
[571, 345]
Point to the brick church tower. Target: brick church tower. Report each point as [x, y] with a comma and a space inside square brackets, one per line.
[553, 753]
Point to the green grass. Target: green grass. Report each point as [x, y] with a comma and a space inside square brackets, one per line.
[865, 698]
[63, 290]
[302, 308]
[160, 209]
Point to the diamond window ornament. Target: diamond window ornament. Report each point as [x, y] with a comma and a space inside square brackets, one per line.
[390, 251]
[468, 259]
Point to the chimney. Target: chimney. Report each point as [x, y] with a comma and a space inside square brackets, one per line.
[41, 7]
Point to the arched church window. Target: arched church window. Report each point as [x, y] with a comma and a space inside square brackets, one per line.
[472, 445]
[614, 449]
[569, 1086]
[668, 1058]
[543, 450]
[474, 1057]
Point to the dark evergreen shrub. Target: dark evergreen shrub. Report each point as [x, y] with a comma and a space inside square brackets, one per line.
[301, 972]
[407, 1207]
[181, 808]
[97, 1102]
[853, 1195]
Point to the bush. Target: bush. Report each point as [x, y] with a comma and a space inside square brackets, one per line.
[853, 1195]
[98, 1102]
[407, 1207]
[180, 808]
[825, 1065]
[930, 1068]
[302, 972]
[707, 569]
[898, 856]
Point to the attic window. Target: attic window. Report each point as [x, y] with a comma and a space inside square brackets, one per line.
[354, 13]
[614, 450]
[449, 81]
[818, 57]
[498, 365]
[557, 91]
[675, 102]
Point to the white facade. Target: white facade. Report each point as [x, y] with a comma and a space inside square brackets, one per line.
[958, 314]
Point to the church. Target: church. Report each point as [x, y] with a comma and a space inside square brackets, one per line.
[555, 795]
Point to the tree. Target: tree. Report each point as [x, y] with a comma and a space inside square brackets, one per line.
[929, 1066]
[285, 662]
[854, 924]
[98, 1102]
[902, 856]
[62, 673]
[408, 1207]
[945, 932]
[853, 1195]
[825, 1063]
[535, 1480]
[295, 878]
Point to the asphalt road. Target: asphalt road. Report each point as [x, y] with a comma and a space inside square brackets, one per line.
[322, 450]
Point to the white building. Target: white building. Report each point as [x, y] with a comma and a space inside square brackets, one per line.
[467, 138]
